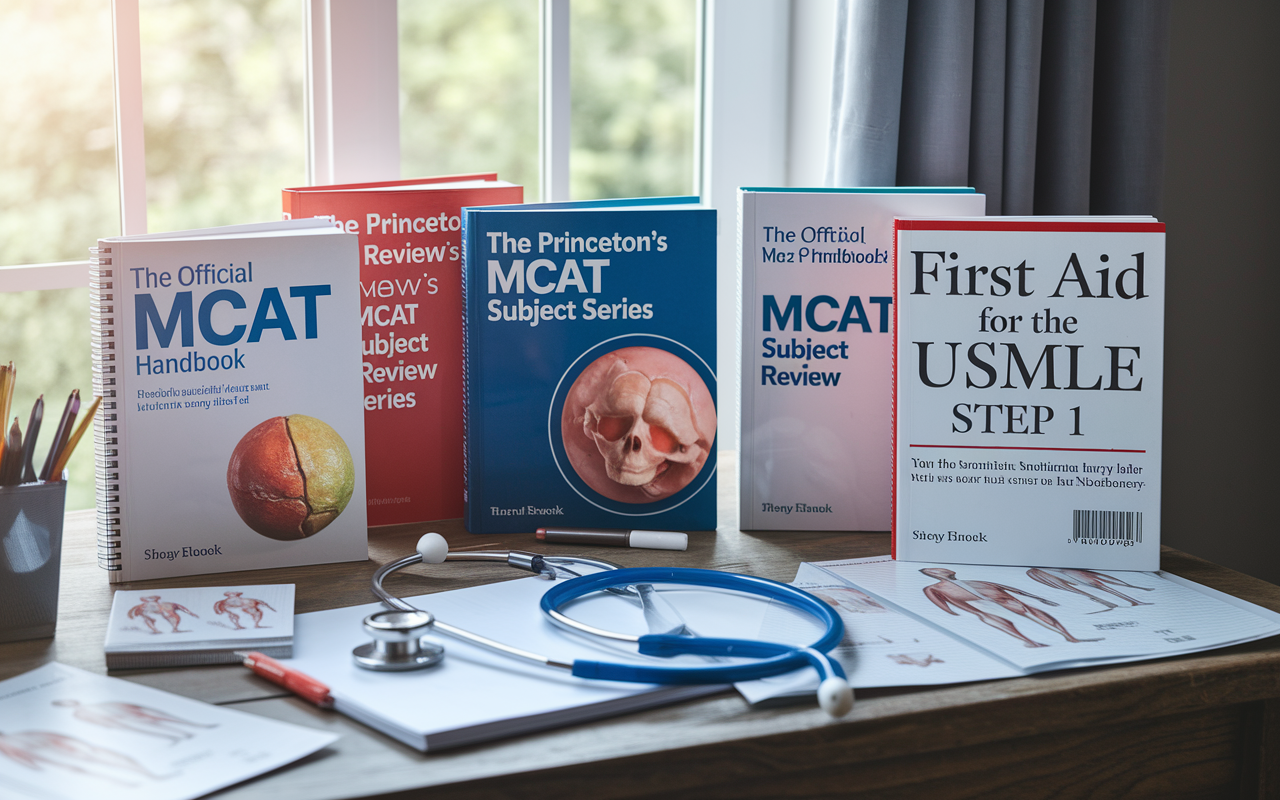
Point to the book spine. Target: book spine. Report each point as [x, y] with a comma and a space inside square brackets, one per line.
[746, 334]
[106, 433]
[468, 422]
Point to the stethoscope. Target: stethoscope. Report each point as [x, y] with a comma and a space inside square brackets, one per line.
[397, 642]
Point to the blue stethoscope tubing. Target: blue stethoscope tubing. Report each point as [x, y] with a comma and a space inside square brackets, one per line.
[771, 658]
[835, 696]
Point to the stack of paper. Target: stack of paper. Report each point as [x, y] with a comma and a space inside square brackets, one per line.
[187, 627]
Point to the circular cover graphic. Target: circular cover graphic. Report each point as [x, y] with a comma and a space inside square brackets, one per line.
[289, 477]
[637, 424]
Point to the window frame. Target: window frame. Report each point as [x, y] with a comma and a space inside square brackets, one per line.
[353, 117]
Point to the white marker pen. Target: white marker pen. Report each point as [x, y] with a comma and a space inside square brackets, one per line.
[649, 540]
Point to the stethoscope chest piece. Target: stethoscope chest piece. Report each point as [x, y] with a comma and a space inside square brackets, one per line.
[397, 642]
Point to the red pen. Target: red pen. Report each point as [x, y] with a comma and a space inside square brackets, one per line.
[304, 686]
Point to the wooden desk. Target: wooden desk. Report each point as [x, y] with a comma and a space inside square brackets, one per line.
[1195, 726]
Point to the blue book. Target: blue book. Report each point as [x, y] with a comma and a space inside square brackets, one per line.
[590, 365]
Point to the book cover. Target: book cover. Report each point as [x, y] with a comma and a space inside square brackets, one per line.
[203, 625]
[231, 435]
[817, 356]
[590, 338]
[1028, 384]
[411, 325]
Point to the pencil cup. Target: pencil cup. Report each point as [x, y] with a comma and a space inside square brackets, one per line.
[30, 559]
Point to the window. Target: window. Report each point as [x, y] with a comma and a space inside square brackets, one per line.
[469, 89]
[57, 192]
[232, 102]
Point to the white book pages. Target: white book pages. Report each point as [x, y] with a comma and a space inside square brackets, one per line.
[1003, 622]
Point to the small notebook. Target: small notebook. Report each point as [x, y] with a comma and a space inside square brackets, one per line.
[188, 627]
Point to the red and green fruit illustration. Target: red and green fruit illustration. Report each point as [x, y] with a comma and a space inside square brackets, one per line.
[289, 477]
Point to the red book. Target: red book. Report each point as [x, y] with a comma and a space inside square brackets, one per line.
[411, 320]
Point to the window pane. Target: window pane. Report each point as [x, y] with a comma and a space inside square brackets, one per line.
[222, 107]
[46, 336]
[57, 131]
[469, 89]
[632, 92]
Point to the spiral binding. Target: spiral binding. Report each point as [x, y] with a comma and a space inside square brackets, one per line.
[105, 432]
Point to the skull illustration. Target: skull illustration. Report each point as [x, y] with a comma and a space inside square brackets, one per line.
[638, 424]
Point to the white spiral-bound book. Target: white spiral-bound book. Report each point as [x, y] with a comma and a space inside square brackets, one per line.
[231, 433]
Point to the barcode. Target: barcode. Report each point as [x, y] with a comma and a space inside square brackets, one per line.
[1111, 525]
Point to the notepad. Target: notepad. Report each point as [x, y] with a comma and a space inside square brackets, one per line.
[475, 695]
[189, 627]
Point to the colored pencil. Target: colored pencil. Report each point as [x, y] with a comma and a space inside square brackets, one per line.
[60, 435]
[65, 455]
[6, 394]
[29, 445]
[11, 462]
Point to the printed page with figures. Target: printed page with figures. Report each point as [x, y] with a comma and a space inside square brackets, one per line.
[67, 734]
[913, 624]
[881, 645]
[203, 625]
[1039, 619]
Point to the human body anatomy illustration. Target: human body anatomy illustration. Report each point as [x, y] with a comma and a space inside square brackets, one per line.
[848, 599]
[134, 718]
[983, 599]
[39, 749]
[151, 605]
[1070, 580]
[915, 659]
[236, 602]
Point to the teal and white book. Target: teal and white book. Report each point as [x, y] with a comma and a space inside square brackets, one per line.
[231, 433]
[817, 314]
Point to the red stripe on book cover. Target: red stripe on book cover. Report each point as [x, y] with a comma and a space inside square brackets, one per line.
[893, 402]
[1027, 225]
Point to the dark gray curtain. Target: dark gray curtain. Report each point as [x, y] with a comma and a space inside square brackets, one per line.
[1046, 106]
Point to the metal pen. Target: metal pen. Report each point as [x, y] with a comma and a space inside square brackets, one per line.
[649, 540]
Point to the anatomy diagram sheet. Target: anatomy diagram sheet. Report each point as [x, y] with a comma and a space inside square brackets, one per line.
[917, 624]
[67, 734]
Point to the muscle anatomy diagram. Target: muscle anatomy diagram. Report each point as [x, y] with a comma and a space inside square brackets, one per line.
[40, 749]
[914, 659]
[152, 606]
[1070, 580]
[134, 718]
[986, 600]
[848, 599]
[235, 602]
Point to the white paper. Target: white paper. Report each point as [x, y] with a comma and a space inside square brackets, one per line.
[896, 636]
[881, 646]
[160, 619]
[475, 694]
[67, 734]
[1039, 619]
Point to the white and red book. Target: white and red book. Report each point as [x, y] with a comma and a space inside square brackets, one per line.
[1028, 380]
